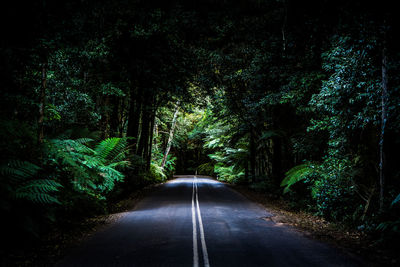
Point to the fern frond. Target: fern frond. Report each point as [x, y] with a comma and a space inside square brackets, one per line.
[295, 175]
[123, 163]
[94, 170]
[105, 147]
[93, 161]
[83, 140]
[39, 198]
[396, 200]
[39, 186]
[120, 150]
[22, 185]
[19, 170]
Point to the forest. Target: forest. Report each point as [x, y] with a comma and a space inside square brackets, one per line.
[297, 100]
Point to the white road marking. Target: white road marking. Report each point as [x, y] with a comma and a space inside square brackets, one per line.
[202, 236]
[195, 248]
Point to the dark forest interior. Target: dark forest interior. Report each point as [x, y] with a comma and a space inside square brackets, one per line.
[297, 100]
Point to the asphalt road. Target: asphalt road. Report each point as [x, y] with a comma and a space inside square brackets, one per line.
[192, 221]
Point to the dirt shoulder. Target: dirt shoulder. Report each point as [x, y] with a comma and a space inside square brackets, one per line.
[347, 240]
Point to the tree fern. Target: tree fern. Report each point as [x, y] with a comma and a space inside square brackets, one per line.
[17, 170]
[40, 198]
[110, 148]
[296, 174]
[94, 170]
[21, 177]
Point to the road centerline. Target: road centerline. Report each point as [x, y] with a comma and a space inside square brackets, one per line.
[194, 223]
[202, 235]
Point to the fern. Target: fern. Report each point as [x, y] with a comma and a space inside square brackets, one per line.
[39, 198]
[389, 226]
[94, 170]
[157, 172]
[23, 184]
[19, 170]
[39, 186]
[396, 200]
[296, 174]
[110, 148]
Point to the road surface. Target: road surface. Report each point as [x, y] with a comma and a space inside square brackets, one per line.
[192, 221]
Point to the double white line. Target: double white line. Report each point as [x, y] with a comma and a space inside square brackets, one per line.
[196, 207]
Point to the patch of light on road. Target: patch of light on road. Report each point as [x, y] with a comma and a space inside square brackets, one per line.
[190, 181]
[181, 181]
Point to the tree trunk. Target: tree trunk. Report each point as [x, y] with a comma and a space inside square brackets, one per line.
[171, 135]
[246, 171]
[144, 133]
[123, 116]
[384, 98]
[147, 112]
[115, 117]
[283, 28]
[277, 160]
[155, 131]
[106, 122]
[134, 117]
[252, 157]
[42, 104]
[151, 133]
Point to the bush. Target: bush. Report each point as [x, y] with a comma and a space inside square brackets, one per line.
[229, 174]
[206, 169]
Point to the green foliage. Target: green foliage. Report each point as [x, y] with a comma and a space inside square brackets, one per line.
[156, 174]
[396, 200]
[334, 190]
[161, 174]
[20, 178]
[228, 174]
[393, 227]
[297, 174]
[37, 191]
[169, 166]
[206, 169]
[94, 170]
[390, 228]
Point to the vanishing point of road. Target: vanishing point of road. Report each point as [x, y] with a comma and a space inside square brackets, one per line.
[193, 221]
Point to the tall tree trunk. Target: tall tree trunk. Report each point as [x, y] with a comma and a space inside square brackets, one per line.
[246, 171]
[283, 28]
[123, 116]
[146, 120]
[277, 160]
[115, 116]
[155, 131]
[171, 134]
[106, 122]
[144, 133]
[252, 156]
[42, 103]
[384, 98]
[151, 131]
[135, 108]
